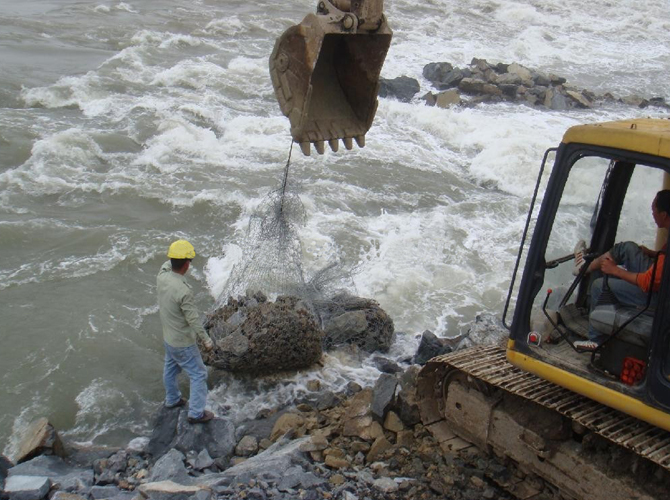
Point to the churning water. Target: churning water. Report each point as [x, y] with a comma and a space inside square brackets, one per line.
[124, 125]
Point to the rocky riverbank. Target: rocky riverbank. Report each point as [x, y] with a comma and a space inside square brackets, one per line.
[484, 82]
[364, 443]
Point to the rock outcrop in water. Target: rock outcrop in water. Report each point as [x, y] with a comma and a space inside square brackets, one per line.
[254, 335]
[482, 81]
[349, 320]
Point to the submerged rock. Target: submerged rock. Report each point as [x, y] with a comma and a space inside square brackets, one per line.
[263, 337]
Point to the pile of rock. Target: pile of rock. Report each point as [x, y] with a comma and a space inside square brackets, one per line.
[369, 444]
[482, 81]
[254, 335]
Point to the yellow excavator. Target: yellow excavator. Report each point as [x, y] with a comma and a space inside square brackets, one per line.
[567, 423]
[591, 424]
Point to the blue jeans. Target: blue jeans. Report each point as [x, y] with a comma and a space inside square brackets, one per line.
[634, 260]
[189, 360]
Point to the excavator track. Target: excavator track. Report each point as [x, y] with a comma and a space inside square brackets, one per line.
[474, 394]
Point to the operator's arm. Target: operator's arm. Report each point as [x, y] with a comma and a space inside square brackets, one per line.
[644, 280]
[608, 266]
[193, 318]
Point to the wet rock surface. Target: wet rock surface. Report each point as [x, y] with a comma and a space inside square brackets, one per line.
[482, 81]
[256, 336]
[368, 443]
[349, 320]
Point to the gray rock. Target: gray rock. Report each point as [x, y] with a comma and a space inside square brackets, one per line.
[260, 428]
[436, 73]
[487, 329]
[634, 100]
[556, 80]
[5, 465]
[102, 492]
[385, 484]
[349, 320]
[247, 446]
[19, 487]
[471, 85]
[63, 476]
[169, 490]
[296, 477]
[429, 98]
[523, 72]
[385, 365]
[509, 90]
[429, 347]
[383, 395]
[352, 388]
[63, 495]
[268, 465]
[85, 456]
[40, 438]
[541, 79]
[581, 100]
[508, 79]
[402, 88]
[480, 64]
[322, 400]
[170, 467]
[203, 461]
[164, 431]
[216, 436]
[452, 79]
[407, 406]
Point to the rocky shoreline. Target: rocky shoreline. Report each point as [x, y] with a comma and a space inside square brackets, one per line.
[484, 82]
[364, 443]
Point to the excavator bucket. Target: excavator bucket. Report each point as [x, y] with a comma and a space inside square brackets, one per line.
[325, 72]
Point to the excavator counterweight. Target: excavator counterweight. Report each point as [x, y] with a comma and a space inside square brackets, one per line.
[325, 72]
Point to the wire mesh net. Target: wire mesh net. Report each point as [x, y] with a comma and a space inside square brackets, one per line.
[272, 254]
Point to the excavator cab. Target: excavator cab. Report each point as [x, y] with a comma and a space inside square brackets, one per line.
[325, 72]
[601, 189]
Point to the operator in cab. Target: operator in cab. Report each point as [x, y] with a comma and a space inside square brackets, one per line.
[632, 267]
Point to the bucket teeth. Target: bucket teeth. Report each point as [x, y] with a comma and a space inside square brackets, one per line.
[360, 140]
[348, 143]
[320, 147]
[304, 147]
[334, 145]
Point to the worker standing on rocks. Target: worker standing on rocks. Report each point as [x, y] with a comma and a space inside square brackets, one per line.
[181, 327]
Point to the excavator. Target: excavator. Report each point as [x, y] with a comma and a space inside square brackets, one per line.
[560, 422]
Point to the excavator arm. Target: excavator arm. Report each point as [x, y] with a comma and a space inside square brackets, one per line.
[325, 72]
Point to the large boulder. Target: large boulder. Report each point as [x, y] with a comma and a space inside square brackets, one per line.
[271, 464]
[251, 335]
[172, 430]
[353, 320]
[40, 438]
[60, 474]
[402, 88]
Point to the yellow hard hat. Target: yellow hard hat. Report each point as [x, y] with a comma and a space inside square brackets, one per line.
[181, 249]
